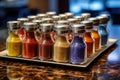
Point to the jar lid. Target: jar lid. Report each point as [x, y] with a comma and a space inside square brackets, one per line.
[41, 15]
[61, 28]
[22, 21]
[50, 14]
[46, 27]
[30, 26]
[47, 20]
[94, 20]
[63, 16]
[106, 15]
[63, 22]
[38, 22]
[72, 21]
[80, 18]
[13, 25]
[78, 28]
[88, 24]
[69, 15]
[85, 15]
[56, 18]
[32, 17]
[103, 19]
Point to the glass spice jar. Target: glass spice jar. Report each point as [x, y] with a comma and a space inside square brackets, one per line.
[78, 48]
[38, 31]
[79, 18]
[69, 15]
[47, 20]
[21, 30]
[103, 30]
[106, 15]
[13, 42]
[45, 44]
[65, 22]
[55, 19]
[61, 45]
[32, 17]
[63, 17]
[85, 16]
[88, 38]
[30, 45]
[38, 22]
[95, 33]
[41, 16]
[50, 14]
[71, 21]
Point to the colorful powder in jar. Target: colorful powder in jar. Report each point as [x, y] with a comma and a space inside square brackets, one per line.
[14, 44]
[78, 53]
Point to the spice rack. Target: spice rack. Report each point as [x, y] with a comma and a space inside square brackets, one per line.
[84, 65]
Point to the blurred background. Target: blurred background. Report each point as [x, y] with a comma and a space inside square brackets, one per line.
[12, 9]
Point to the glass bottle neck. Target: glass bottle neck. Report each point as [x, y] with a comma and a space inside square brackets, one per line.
[13, 34]
[88, 30]
[61, 37]
[105, 25]
[30, 34]
[78, 34]
[46, 36]
[88, 34]
[95, 27]
[78, 37]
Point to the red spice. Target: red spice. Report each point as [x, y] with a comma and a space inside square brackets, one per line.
[21, 33]
[30, 45]
[45, 47]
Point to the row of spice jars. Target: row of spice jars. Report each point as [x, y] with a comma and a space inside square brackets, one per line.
[81, 46]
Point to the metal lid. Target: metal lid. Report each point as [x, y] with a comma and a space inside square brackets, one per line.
[103, 19]
[63, 22]
[63, 16]
[106, 15]
[94, 20]
[47, 20]
[41, 15]
[80, 18]
[46, 27]
[85, 15]
[30, 26]
[50, 14]
[88, 24]
[69, 15]
[13, 25]
[61, 28]
[72, 21]
[56, 18]
[78, 28]
[38, 22]
[22, 21]
[32, 17]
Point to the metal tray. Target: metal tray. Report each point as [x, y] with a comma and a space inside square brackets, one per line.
[84, 65]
